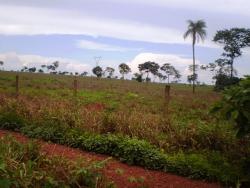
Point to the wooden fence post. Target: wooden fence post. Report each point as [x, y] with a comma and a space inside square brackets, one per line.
[17, 86]
[167, 97]
[75, 87]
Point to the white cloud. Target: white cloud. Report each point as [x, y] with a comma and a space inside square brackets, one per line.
[86, 44]
[33, 21]
[14, 61]
[177, 61]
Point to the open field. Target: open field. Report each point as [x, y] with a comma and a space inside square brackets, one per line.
[116, 114]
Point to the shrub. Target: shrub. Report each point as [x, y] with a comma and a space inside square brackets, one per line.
[235, 106]
[223, 81]
[11, 120]
[138, 152]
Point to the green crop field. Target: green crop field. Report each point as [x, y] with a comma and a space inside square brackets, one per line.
[128, 120]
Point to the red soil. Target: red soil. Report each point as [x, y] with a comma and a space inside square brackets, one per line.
[121, 174]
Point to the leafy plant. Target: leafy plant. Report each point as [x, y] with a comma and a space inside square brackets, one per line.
[235, 106]
[22, 165]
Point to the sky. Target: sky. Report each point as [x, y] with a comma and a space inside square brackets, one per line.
[74, 32]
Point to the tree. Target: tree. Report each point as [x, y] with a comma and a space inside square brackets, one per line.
[177, 75]
[233, 40]
[160, 76]
[52, 67]
[55, 64]
[220, 66]
[149, 67]
[110, 71]
[192, 78]
[84, 73]
[97, 71]
[222, 73]
[32, 69]
[24, 69]
[40, 71]
[138, 77]
[1, 63]
[196, 30]
[169, 70]
[124, 69]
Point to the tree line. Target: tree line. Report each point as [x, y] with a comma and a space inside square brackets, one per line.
[233, 41]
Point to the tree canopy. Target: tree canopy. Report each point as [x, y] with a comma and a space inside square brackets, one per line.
[149, 67]
[124, 69]
[234, 40]
[97, 71]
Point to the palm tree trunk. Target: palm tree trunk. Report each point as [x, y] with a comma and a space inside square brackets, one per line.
[193, 68]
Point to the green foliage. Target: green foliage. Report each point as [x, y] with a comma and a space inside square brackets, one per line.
[149, 67]
[129, 109]
[138, 77]
[234, 40]
[139, 152]
[223, 81]
[22, 165]
[235, 106]
[97, 71]
[9, 118]
[124, 69]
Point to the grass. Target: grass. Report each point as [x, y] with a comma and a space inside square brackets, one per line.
[127, 109]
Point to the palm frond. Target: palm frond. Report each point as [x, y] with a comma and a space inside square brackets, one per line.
[196, 28]
[187, 33]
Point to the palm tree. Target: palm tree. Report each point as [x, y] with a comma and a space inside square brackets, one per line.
[196, 30]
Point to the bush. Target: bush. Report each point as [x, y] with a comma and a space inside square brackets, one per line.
[11, 120]
[235, 106]
[138, 152]
[223, 81]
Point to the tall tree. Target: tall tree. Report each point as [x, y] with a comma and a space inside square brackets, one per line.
[149, 67]
[124, 69]
[233, 40]
[196, 30]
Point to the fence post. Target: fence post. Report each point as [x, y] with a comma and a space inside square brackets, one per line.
[75, 87]
[167, 97]
[17, 86]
